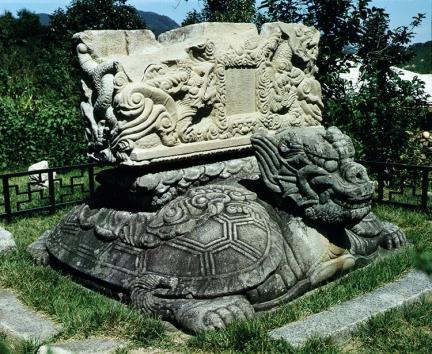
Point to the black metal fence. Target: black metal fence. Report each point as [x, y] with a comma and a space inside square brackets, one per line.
[45, 190]
[404, 185]
[397, 184]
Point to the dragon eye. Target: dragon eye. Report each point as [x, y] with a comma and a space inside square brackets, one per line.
[331, 165]
[355, 173]
[283, 147]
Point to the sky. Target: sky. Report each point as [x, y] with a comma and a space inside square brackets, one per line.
[401, 11]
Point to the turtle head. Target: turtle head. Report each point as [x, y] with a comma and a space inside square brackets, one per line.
[314, 169]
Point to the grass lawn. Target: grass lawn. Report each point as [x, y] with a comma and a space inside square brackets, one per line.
[84, 313]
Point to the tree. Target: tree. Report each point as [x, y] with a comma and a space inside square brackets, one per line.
[381, 111]
[20, 29]
[83, 15]
[223, 11]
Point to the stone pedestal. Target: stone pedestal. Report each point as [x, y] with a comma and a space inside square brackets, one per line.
[228, 196]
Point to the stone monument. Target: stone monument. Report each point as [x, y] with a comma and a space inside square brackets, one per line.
[228, 196]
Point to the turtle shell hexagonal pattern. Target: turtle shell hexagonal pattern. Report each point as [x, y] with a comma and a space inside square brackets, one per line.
[216, 240]
[232, 251]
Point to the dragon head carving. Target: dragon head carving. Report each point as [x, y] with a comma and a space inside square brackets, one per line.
[314, 169]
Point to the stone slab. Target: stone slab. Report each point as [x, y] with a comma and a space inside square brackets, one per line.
[20, 323]
[151, 350]
[341, 320]
[86, 346]
[7, 242]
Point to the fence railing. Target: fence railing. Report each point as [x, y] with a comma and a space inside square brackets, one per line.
[397, 184]
[404, 185]
[24, 193]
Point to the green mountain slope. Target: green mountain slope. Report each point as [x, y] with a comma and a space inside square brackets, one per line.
[422, 61]
[155, 22]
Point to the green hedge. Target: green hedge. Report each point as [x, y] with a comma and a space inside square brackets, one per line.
[37, 129]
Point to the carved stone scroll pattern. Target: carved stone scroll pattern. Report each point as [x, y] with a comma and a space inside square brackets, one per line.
[194, 98]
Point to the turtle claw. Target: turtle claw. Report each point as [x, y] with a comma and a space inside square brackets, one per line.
[393, 237]
[213, 320]
[204, 315]
[220, 317]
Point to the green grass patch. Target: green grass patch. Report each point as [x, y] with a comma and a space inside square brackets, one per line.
[408, 330]
[10, 347]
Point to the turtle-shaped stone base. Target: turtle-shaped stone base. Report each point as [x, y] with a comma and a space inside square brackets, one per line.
[221, 252]
[208, 258]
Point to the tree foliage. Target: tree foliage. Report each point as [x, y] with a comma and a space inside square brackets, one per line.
[94, 15]
[379, 113]
[422, 61]
[39, 116]
[223, 11]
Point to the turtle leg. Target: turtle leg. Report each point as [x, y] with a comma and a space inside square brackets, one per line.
[194, 315]
[337, 259]
[38, 250]
[203, 315]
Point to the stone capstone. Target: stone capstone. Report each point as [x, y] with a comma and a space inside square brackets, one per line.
[199, 90]
[340, 321]
[7, 242]
[21, 323]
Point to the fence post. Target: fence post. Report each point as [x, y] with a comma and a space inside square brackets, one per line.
[425, 189]
[6, 196]
[381, 182]
[51, 190]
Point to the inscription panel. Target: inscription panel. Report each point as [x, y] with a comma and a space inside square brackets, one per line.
[240, 91]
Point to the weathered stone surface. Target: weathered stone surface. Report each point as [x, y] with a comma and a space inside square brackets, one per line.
[220, 252]
[21, 323]
[38, 251]
[199, 90]
[7, 242]
[341, 320]
[85, 346]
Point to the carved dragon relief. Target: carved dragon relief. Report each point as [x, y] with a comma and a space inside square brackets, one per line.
[184, 101]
